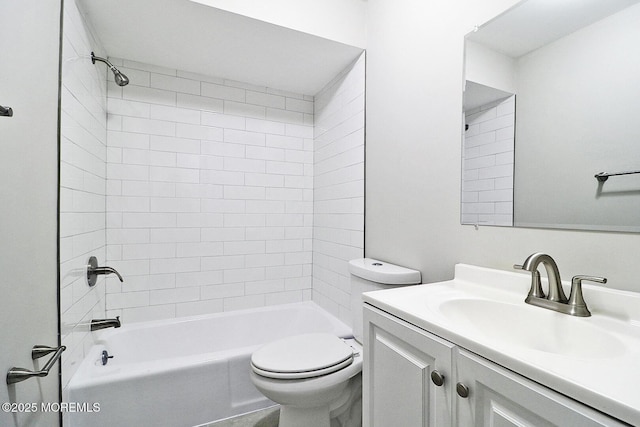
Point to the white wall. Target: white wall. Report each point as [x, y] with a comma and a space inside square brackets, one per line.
[414, 104]
[28, 209]
[576, 117]
[83, 156]
[338, 188]
[209, 194]
[339, 20]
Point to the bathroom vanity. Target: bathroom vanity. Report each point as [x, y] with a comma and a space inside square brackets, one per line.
[470, 352]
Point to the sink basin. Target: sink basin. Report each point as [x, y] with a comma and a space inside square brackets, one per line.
[531, 327]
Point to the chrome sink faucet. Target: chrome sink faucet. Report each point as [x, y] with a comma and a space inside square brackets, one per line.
[556, 299]
[556, 293]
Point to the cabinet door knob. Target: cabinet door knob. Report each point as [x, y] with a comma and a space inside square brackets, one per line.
[437, 378]
[462, 390]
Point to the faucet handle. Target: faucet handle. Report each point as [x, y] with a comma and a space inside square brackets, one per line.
[93, 270]
[576, 300]
[596, 279]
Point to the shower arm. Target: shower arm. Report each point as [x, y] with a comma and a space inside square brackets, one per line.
[95, 58]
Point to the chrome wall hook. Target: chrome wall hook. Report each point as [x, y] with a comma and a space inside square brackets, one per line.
[6, 111]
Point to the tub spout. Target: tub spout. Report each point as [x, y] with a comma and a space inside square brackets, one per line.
[97, 324]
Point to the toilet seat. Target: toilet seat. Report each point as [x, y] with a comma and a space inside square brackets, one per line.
[302, 356]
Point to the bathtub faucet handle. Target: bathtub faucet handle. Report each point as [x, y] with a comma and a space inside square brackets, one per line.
[93, 271]
[107, 270]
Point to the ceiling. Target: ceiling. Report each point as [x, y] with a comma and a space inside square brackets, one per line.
[534, 23]
[189, 36]
[476, 95]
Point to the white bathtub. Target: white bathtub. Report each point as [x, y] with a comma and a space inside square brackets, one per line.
[187, 371]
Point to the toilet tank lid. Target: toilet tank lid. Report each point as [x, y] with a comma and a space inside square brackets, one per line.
[383, 272]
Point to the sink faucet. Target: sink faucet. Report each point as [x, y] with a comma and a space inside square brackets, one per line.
[556, 299]
[97, 324]
[555, 286]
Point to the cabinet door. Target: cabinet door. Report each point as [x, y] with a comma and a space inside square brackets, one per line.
[501, 398]
[398, 361]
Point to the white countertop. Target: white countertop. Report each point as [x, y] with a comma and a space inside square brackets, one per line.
[602, 373]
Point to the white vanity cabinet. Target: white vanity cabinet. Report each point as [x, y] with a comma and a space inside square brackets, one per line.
[398, 389]
[398, 362]
[499, 397]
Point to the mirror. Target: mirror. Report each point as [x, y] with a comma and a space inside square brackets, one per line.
[550, 100]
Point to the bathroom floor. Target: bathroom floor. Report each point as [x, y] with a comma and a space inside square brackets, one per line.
[265, 418]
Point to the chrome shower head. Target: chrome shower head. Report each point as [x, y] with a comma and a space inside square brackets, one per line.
[120, 79]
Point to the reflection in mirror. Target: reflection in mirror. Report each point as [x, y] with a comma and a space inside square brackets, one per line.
[487, 155]
[574, 68]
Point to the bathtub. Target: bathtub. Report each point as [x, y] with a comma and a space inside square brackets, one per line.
[187, 371]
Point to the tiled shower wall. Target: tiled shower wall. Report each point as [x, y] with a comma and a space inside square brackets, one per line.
[338, 209]
[209, 194]
[82, 187]
[488, 156]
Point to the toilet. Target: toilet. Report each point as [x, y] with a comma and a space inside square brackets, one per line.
[316, 378]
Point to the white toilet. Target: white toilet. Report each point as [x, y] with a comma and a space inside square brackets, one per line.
[316, 378]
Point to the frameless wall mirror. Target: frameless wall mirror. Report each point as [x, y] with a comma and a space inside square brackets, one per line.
[551, 96]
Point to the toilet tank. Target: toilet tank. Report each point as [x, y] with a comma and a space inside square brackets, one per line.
[369, 274]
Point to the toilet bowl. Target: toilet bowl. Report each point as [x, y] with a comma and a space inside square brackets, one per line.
[317, 378]
[314, 377]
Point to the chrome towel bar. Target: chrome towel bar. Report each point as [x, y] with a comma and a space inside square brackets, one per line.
[15, 375]
[603, 176]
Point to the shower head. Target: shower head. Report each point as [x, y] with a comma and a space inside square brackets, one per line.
[120, 79]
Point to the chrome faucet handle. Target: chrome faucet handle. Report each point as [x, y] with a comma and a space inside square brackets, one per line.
[536, 284]
[107, 270]
[578, 306]
[93, 271]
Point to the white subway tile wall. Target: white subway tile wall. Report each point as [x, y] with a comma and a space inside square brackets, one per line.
[488, 156]
[338, 188]
[83, 155]
[210, 194]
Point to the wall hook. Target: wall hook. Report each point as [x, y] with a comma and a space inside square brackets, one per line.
[6, 111]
